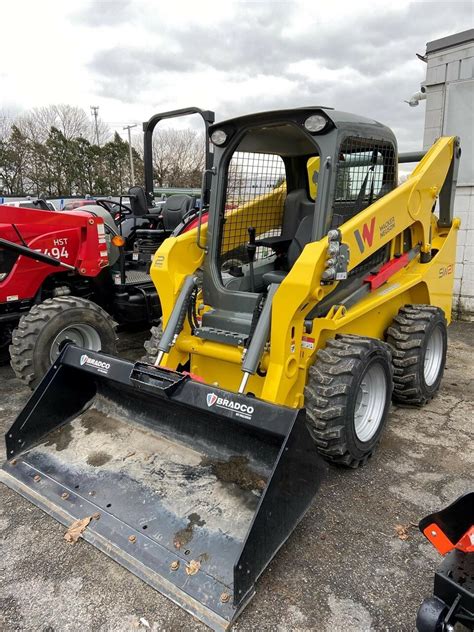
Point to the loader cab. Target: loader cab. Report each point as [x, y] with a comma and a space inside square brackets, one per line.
[282, 180]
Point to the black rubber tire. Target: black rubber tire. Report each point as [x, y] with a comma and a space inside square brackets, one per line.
[331, 396]
[36, 331]
[408, 337]
[151, 345]
[431, 615]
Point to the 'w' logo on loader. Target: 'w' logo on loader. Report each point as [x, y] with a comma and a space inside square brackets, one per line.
[367, 236]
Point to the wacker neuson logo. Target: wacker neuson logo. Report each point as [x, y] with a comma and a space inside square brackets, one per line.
[241, 410]
[100, 365]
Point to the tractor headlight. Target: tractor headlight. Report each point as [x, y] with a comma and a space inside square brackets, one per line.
[218, 137]
[315, 123]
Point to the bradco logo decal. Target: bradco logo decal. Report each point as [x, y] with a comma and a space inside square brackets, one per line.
[367, 236]
[211, 399]
[241, 410]
[100, 365]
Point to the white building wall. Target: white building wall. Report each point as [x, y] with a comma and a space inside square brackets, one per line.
[445, 68]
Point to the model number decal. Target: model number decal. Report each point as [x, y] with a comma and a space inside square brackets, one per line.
[58, 252]
[445, 270]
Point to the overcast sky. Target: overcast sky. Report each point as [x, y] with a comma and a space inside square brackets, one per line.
[137, 57]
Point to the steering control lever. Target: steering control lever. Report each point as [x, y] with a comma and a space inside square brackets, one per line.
[251, 250]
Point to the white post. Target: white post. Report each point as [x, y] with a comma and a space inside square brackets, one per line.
[132, 171]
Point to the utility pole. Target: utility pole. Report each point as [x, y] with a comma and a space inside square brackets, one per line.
[132, 171]
[95, 114]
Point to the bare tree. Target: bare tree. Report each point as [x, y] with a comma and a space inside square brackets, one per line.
[6, 121]
[71, 121]
[178, 157]
[47, 152]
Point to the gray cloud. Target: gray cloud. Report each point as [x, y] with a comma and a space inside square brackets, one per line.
[376, 53]
[96, 13]
[104, 12]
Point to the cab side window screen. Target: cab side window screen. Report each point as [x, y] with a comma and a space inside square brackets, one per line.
[366, 170]
[255, 195]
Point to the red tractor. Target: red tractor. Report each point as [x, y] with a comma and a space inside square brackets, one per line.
[74, 276]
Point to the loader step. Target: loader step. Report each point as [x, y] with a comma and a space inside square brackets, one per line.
[153, 379]
[133, 277]
[221, 335]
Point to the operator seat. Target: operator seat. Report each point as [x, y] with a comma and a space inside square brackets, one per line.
[297, 206]
[297, 244]
[175, 209]
[172, 214]
[138, 202]
[296, 228]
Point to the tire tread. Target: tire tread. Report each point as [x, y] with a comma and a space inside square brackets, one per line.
[31, 324]
[405, 337]
[326, 394]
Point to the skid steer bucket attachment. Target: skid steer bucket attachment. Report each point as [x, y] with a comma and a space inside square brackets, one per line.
[192, 488]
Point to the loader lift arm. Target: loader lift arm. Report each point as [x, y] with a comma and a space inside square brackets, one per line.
[409, 206]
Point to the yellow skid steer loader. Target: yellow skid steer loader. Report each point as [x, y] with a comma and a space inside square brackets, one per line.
[313, 290]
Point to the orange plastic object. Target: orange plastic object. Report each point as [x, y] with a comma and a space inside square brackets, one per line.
[466, 543]
[438, 539]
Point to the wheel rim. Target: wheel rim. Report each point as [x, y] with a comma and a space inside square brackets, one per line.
[79, 334]
[433, 356]
[370, 402]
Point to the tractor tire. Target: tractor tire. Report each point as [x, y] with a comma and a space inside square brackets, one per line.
[418, 338]
[43, 332]
[347, 398]
[151, 346]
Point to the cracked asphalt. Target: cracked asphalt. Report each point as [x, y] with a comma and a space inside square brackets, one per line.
[344, 568]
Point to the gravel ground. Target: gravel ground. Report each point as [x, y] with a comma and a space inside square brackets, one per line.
[344, 568]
